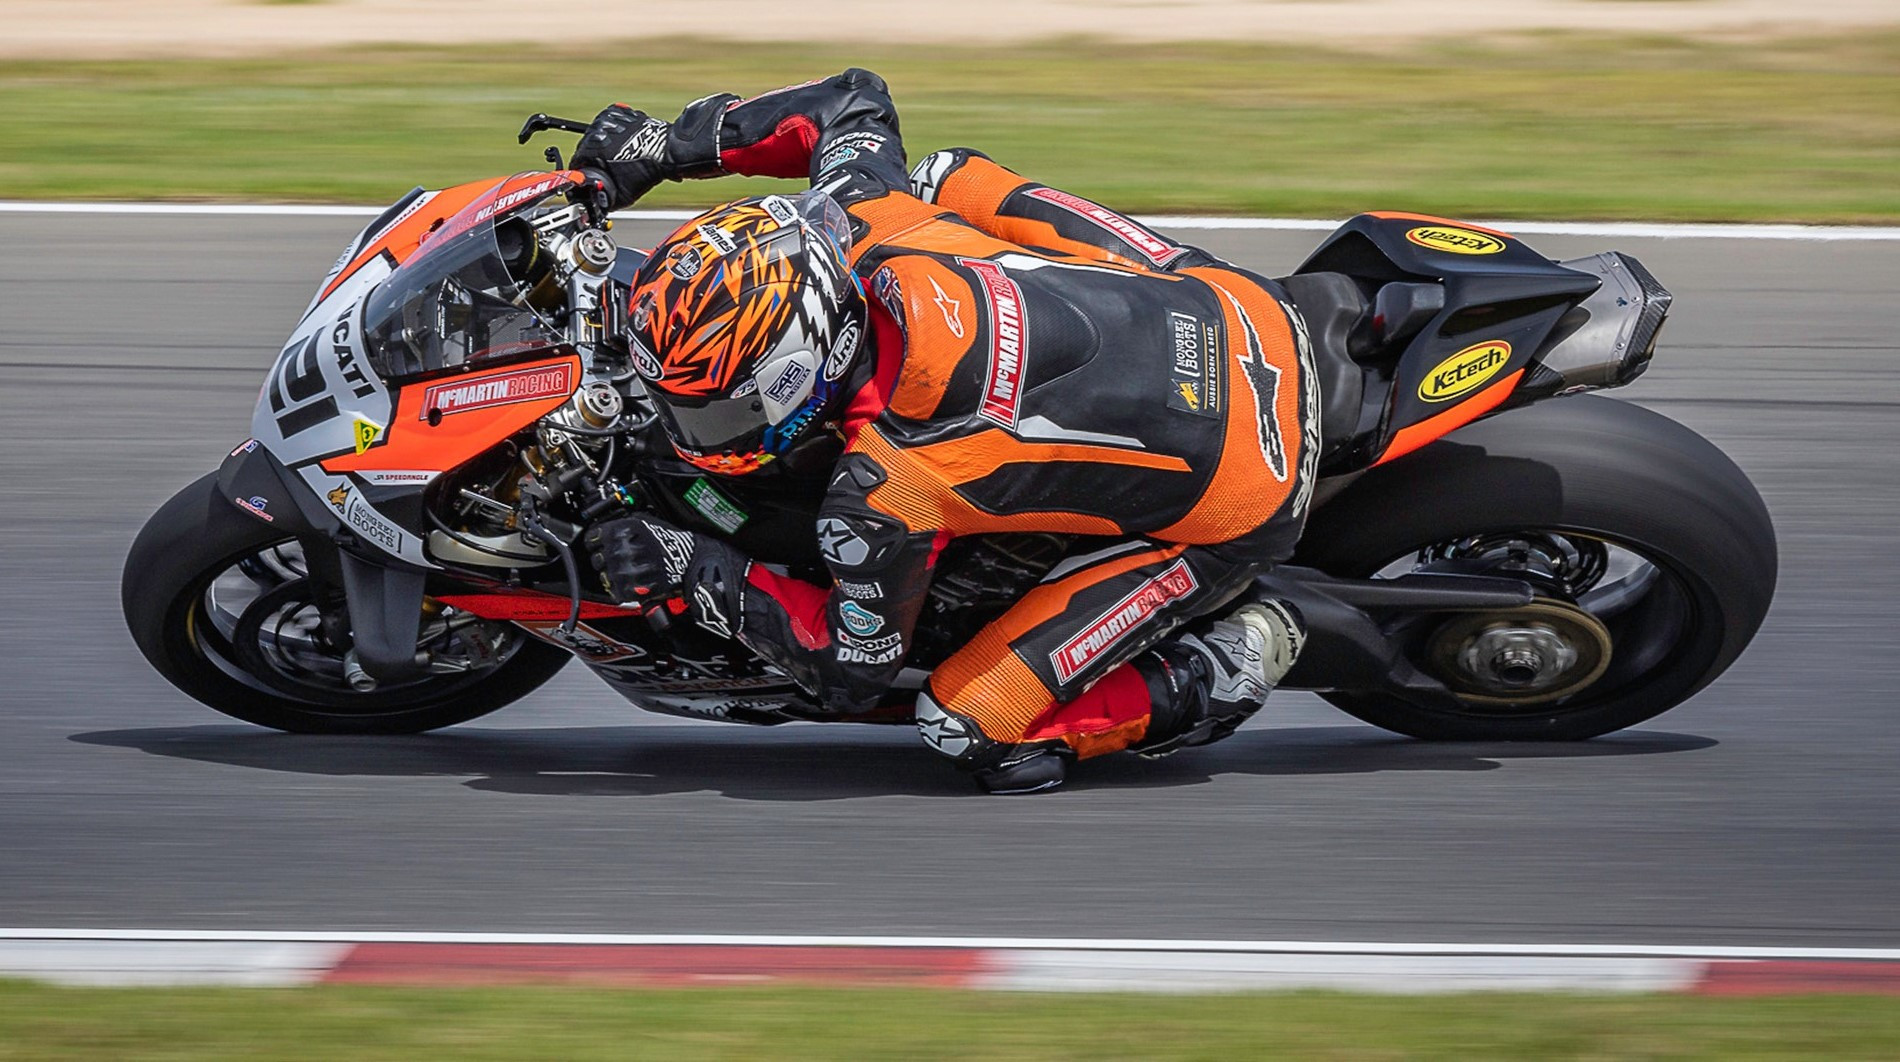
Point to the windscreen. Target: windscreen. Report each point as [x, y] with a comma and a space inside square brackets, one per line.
[461, 298]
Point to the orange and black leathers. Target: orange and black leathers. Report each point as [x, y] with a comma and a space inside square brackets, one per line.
[1042, 364]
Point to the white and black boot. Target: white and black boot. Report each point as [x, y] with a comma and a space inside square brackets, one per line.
[1207, 682]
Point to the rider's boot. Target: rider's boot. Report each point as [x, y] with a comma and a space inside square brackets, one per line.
[999, 767]
[1206, 683]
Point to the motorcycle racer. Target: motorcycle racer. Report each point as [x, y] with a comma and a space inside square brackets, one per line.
[995, 355]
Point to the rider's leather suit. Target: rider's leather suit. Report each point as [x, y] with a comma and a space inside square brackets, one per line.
[1041, 364]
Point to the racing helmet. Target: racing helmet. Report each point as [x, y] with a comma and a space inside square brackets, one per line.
[744, 323]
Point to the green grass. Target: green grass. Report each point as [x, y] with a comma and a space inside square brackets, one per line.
[1544, 125]
[382, 1023]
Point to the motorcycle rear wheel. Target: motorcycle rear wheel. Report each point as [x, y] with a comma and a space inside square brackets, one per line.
[219, 656]
[1581, 476]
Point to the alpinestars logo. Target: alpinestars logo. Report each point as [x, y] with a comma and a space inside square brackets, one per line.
[1002, 392]
[1265, 378]
[1152, 247]
[1173, 583]
[951, 309]
[949, 734]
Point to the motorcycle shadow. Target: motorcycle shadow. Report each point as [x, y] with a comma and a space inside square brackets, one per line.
[816, 764]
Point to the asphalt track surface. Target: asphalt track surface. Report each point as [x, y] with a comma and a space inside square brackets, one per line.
[1763, 812]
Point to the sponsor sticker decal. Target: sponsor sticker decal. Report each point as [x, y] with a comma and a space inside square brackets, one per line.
[255, 506]
[245, 447]
[1002, 390]
[345, 354]
[1454, 240]
[837, 156]
[684, 261]
[387, 477]
[781, 209]
[1194, 374]
[860, 591]
[585, 642]
[869, 650]
[1155, 249]
[372, 525]
[365, 433]
[1142, 603]
[839, 360]
[859, 620]
[1465, 371]
[499, 389]
[338, 496]
[785, 388]
[718, 510]
[720, 239]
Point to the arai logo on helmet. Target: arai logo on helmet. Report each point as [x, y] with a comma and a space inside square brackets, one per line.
[1455, 240]
[1465, 371]
[842, 351]
[643, 360]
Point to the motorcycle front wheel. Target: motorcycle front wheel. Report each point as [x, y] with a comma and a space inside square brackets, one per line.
[226, 610]
[1652, 555]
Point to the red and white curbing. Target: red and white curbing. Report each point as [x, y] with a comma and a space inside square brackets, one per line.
[187, 957]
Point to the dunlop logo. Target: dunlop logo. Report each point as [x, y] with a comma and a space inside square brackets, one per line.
[1454, 240]
[1465, 371]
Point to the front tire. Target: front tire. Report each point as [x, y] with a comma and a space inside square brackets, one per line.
[199, 536]
[1581, 470]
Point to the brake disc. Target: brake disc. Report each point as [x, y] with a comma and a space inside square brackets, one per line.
[1542, 652]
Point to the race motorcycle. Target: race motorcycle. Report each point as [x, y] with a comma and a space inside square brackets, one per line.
[1490, 555]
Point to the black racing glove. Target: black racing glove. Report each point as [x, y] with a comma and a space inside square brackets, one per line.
[645, 560]
[627, 148]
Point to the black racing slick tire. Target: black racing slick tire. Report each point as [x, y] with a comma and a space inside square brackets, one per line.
[1588, 469]
[198, 535]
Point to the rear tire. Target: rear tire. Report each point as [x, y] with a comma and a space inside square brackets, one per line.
[1602, 469]
[199, 534]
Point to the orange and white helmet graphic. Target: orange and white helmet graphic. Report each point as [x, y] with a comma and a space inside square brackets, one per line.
[744, 323]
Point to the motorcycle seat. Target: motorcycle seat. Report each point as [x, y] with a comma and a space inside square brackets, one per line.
[1339, 322]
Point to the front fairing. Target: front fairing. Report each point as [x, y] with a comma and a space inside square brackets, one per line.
[324, 403]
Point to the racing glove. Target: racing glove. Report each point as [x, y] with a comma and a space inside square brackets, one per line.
[643, 559]
[628, 149]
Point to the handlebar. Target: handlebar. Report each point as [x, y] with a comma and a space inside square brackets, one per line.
[594, 190]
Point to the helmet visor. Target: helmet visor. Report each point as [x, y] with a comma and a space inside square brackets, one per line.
[716, 425]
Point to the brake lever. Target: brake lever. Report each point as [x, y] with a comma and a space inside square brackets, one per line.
[538, 122]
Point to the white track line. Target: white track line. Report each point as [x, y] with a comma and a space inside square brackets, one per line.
[1096, 971]
[1629, 229]
[1280, 947]
[152, 962]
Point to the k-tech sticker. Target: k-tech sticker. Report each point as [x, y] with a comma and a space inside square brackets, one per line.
[1465, 371]
[498, 389]
[1454, 240]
